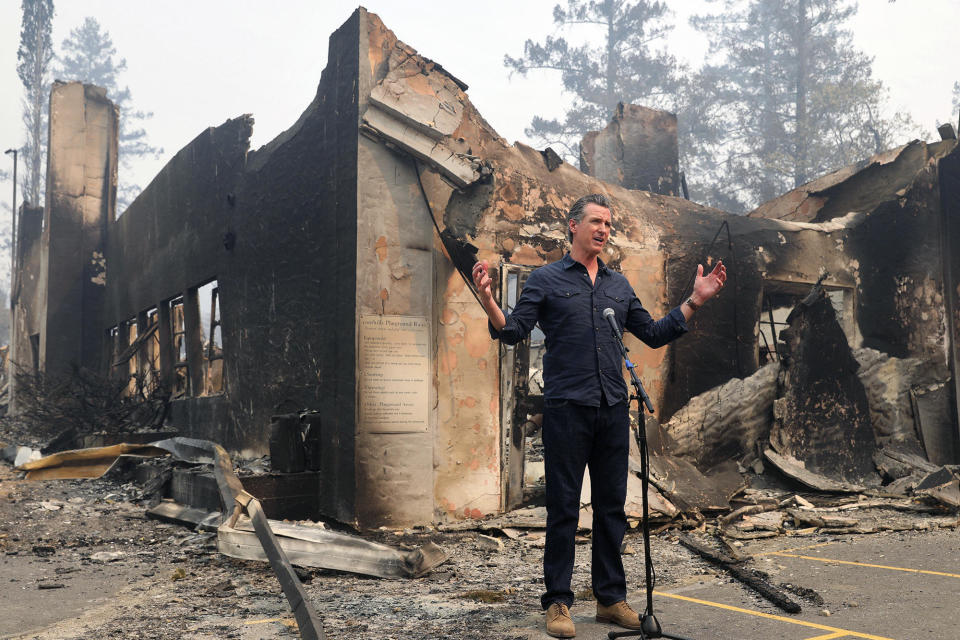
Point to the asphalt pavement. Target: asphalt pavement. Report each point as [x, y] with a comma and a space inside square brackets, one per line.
[888, 586]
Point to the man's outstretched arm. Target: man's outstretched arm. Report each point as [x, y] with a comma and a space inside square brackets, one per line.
[657, 333]
[515, 327]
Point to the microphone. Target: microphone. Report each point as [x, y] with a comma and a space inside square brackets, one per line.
[610, 315]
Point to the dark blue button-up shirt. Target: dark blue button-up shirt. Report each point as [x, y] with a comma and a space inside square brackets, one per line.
[582, 363]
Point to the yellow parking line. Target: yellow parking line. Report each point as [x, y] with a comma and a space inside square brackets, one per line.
[285, 621]
[809, 546]
[769, 616]
[831, 636]
[872, 566]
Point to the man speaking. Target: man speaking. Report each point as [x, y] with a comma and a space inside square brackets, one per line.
[586, 404]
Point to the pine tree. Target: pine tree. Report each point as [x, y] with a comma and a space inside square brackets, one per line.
[89, 56]
[790, 99]
[33, 68]
[615, 64]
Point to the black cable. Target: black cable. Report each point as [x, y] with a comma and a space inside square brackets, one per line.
[733, 278]
[693, 277]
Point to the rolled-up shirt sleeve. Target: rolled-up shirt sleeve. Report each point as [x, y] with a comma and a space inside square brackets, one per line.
[523, 318]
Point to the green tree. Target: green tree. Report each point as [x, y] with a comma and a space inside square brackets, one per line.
[33, 68]
[615, 63]
[789, 99]
[89, 56]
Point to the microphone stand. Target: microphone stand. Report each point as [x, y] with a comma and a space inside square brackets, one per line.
[649, 625]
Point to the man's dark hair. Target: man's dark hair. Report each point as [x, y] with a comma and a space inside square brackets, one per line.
[576, 211]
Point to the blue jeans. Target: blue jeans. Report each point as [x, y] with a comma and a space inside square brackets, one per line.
[574, 436]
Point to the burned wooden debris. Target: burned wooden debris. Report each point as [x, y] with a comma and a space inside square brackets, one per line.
[797, 470]
[692, 490]
[552, 159]
[753, 578]
[943, 485]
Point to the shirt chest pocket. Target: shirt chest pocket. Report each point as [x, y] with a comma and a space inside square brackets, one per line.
[566, 304]
[618, 302]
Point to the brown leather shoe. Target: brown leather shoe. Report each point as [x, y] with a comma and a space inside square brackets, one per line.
[559, 622]
[619, 613]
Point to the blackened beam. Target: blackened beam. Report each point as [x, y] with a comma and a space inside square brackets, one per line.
[753, 579]
[231, 490]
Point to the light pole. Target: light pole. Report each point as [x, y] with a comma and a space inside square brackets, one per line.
[13, 224]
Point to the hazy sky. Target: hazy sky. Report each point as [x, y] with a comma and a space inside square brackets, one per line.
[195, 64]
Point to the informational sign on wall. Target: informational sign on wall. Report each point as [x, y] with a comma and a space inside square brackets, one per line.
[393, 355]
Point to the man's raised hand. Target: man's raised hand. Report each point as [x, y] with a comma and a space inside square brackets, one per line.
[482, 280]
[707, 286]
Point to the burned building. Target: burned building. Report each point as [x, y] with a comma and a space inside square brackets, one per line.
[320, 272]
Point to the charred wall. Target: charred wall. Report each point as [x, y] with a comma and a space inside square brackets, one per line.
[904, 252]
[949, 183]
[167, 243]
[760, 255]
[901, 304]
[637, 150]
[293, 275]
[394, 277]
[276, 228]
[26, 293]
[721, 343]
[171, 238]
[81, 196]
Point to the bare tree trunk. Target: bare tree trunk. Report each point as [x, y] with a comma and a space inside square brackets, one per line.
[611, 79]
[771, 132]
[802, 130]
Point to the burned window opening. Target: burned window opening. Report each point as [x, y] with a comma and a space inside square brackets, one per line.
[521, 399]
[178, 338]
[779, 299]
[208, 296]
[137, 356]
[130, 364]
[113, 347]
[773, 319]
[150, 354]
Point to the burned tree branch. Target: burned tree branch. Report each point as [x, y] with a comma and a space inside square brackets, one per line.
[83, 402]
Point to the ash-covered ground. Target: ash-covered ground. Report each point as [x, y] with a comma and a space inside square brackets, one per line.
[80, 559]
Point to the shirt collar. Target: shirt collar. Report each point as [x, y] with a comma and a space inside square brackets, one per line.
[568, 262]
